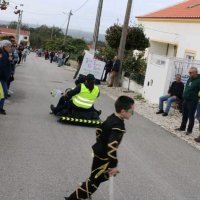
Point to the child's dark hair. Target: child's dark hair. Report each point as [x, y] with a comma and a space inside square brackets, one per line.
[123, 103]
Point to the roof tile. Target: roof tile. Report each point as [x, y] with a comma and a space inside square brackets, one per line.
[189, 9]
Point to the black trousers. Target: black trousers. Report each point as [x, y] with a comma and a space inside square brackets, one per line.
[67, 105]
[51, 59]
[189, 109]
[77, 71]
[20, 58]
[63, 104]
[98, 175]
[106, 74]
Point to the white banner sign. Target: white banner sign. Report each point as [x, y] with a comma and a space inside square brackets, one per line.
[92, 66]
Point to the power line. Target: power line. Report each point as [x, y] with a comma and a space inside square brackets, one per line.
[81, 6]
[48, 14]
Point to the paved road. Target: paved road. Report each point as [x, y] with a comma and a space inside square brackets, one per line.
[41, 159]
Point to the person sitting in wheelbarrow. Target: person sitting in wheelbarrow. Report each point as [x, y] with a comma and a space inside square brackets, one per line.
[79, 101]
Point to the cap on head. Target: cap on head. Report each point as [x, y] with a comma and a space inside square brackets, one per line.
[5, 43]
[90, 77]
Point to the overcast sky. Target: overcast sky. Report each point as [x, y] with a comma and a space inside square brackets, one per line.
[50, 12]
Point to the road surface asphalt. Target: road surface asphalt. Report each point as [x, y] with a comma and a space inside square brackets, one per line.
[41, 159]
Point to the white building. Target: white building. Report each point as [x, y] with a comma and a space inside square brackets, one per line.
[174, 31]
[174, 34]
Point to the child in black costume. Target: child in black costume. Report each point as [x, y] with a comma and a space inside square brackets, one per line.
[108, 137]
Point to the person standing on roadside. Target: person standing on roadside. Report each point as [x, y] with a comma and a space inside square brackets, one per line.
[5, 49]
[108, 68]
[190, 100]
[20, 50]
[52, 54]
[79, 60]
[115, 71]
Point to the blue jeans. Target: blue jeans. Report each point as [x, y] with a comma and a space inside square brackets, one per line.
[5, 90]
[169, 100]
[60, 62]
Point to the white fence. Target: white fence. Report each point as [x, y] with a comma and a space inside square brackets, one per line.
[161, 72]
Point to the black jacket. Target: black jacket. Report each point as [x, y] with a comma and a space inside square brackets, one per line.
[108, 138]
[5, 68]
[109, 65]
[116, 65]
[176, 89]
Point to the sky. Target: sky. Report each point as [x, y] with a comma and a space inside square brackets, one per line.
[50, 12]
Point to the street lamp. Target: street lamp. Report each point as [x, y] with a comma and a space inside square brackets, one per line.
[18, 12]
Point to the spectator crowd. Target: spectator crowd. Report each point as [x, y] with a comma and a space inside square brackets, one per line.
[11, 55]
[187, 99]
[184, 97]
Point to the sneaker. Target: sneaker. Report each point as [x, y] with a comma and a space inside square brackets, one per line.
[165, 114]
[197, 139]
[7, 101]
[179, 129]
[2, 112]
[188, 132]
[99, 112]
[160, 112]
[10, 92]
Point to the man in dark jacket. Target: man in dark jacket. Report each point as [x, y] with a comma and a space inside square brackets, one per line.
[79, 61]
[175, 93]
[5, 48]
[115, 71]
[108, 68]
[190, 100]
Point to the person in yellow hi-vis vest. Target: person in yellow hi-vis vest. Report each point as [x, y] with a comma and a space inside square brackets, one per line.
[1, 92]
[81, 99]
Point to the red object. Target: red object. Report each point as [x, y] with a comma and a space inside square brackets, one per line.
[189, 9]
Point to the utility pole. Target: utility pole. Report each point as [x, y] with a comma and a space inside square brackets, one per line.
[20, 13]
[66, 32]
[123, 42]
[97, 25]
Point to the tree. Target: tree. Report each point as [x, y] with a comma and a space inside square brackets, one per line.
[13, 25]
[113, 36]
[135, 64]
[107, 52]
[40, 35]
[136, 38]
[73, 46]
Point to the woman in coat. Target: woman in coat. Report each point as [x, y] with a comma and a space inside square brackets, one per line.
[5, 48]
